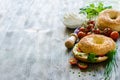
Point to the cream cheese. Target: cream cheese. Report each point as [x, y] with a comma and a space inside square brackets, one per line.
[74, 20]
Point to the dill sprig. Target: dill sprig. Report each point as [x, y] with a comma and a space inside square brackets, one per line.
[111, 64]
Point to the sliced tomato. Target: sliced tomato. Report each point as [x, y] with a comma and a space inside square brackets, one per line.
[101, 55]
[73, 61]
[82, 65]
[78, 49]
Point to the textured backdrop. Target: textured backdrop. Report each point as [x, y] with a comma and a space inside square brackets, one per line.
[32, 39]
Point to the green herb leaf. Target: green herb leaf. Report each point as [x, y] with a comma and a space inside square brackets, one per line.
[92, 10]
[108, 7]
[91, 57]
[92, 5]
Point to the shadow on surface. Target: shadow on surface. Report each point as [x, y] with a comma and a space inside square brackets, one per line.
[68, 31]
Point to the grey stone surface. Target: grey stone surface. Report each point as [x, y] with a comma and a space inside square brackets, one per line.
[32, 39]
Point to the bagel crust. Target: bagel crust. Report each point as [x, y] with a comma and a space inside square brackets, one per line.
[100, 45]
[109, 18]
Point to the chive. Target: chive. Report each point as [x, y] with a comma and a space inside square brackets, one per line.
[111, 64]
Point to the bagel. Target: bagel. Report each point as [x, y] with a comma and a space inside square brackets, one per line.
[109, 18]
[99, 45]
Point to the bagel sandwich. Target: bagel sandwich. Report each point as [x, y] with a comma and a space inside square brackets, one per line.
[93, 48]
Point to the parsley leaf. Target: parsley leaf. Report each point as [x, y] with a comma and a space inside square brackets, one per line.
[91, 57]
[92, 10]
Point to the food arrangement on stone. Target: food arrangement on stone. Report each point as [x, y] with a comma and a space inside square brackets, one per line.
[93, 41]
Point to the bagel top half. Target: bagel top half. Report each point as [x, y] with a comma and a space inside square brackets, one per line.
[99, 45]
[109, 18]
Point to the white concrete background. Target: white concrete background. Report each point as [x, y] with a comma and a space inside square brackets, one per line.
[32, 39]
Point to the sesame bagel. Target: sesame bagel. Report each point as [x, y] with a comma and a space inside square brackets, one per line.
[100, 45]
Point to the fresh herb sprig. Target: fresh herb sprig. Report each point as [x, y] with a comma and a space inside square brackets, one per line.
[111, 64]
[92, 10]
[91, 57]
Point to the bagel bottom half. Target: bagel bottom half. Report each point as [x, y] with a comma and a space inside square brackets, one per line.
[84, 56]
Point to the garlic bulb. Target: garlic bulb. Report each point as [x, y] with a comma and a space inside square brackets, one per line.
[74, 20]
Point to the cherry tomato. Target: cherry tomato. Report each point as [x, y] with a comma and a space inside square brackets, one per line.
[81, 34]
[107, 31]
[114, 35]
[87, 30]
[78, 49]
[73, 61]
[91, 22]
[96, 31]
[90, 27]
[82, 65]
[82, 29]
